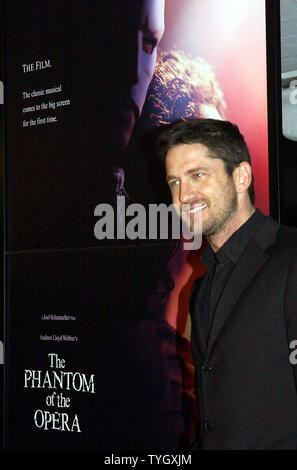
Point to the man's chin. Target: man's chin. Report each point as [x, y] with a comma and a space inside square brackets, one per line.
[208, 229]
[194, 227]
[198, 222]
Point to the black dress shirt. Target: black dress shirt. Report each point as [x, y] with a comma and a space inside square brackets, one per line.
[219, 266]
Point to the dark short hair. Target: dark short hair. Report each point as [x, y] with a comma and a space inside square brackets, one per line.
[222, 138]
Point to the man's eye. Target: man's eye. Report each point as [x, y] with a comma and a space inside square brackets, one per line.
[173, 183]
[148, 44]
[197, 175]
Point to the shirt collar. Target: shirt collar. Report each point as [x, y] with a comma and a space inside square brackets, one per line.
[234, 246]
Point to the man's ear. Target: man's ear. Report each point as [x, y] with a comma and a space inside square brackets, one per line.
[242, 177]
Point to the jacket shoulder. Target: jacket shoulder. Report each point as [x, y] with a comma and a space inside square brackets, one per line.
[290, 232]
[287, 237]
[273, 235]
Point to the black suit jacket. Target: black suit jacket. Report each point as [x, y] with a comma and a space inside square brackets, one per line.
[245, 383]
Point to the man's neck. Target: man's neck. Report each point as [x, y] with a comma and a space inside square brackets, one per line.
[217, 240]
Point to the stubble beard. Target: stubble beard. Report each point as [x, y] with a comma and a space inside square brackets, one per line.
[221, 216]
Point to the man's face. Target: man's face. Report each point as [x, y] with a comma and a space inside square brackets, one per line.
[202, 182]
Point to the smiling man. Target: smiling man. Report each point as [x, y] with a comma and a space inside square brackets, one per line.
[202, 182]
[244, 309]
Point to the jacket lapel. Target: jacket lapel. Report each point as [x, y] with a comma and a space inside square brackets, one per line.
[249, 264]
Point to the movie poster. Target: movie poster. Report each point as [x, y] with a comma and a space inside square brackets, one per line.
[97, 331]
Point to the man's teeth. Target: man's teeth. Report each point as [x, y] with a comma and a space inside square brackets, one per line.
[199, 208]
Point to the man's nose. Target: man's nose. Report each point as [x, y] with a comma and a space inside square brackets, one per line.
[186, 193]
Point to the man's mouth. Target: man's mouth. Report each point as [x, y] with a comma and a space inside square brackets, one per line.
[197, 208]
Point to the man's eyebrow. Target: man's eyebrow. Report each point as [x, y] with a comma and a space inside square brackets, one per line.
[188, 172]
[196, 170]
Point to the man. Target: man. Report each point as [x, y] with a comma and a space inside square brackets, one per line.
[244, 310]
